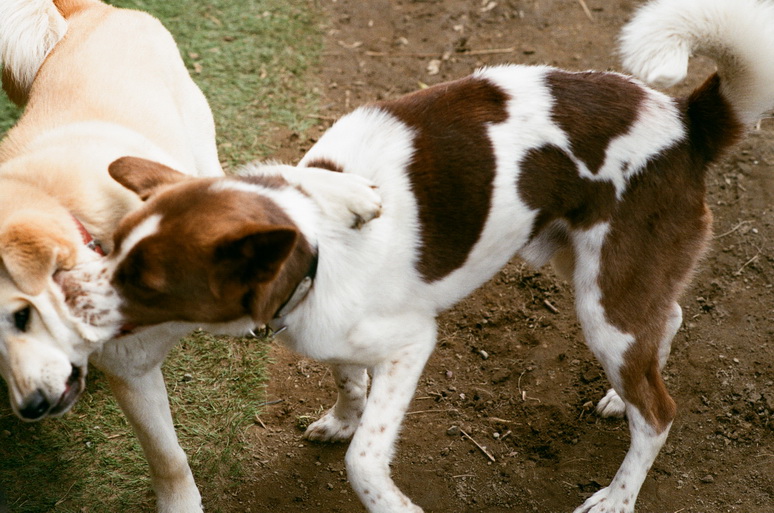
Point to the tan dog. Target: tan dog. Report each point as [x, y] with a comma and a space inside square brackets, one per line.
[98, 83]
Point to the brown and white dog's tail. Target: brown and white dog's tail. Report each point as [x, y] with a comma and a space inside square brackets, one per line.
[29, 30]
[737, 34]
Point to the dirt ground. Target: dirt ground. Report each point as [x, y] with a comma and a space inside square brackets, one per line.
[511, 369]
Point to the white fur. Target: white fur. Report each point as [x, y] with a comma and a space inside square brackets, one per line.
[29, 30]
[737, 34]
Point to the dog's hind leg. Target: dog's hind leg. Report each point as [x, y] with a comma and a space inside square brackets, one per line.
[612, 405]
[629, 350]
[341, 421]
[393, 384]
[143, 400]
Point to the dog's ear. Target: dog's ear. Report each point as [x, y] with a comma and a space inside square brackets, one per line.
[32, 249]
[143, 176]
[249, 255]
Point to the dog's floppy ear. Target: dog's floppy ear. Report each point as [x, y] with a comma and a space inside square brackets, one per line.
[143, 176]
[249, 255]
[32, 249]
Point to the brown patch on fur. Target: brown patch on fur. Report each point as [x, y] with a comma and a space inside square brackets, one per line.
[70, 7]
[656, 239]
[143, 176]
[268, 181]
[714, 126]
[453, 166]
[593, 108]
[550, 183]
[32, 247]
[17, 94]
[324, 163]
[244, 244]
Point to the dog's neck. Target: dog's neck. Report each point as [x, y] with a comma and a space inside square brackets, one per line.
[275, 299]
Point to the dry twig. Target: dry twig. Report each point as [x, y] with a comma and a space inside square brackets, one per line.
[480, 447]
[586, 9]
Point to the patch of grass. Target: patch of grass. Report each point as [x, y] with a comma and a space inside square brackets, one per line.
[91, 457]
[250, 59]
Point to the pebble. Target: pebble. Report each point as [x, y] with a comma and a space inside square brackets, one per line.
[453, 431]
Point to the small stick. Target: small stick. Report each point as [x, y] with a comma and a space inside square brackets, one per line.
[489, 51]
[269, 403]
[259, 421]
[480, 447]
[586, 9]
[732, 230]
[551, 307]
[430, 411]
[753, 259]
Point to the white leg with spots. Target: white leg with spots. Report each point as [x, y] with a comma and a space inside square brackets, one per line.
[612, 405]
[622, 493]
[341, 421]
[372, 447]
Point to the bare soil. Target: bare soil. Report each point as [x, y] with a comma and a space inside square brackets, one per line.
[511, 369]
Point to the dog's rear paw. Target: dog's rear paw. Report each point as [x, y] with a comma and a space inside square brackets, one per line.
[331, 429]
[611, 405]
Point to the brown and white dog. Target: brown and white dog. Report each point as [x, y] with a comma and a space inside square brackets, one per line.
[593, 170]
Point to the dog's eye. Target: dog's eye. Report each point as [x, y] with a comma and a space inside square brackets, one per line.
[21, 318]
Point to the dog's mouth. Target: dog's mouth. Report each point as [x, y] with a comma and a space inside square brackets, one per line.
[75, 385]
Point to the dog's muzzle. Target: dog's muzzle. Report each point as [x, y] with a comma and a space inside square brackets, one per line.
[37, 405]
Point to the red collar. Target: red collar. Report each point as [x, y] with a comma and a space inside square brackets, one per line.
[90, 241]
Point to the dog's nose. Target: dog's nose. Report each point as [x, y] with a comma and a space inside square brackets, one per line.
[35, 406]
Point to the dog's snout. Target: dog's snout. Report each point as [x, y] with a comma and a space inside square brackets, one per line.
[35, 406]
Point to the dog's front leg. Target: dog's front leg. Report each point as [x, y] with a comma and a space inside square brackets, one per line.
[393, 385]
[143, 400]
[340, 422]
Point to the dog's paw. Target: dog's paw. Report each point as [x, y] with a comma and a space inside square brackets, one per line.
[330, 428]
[346, 198]
[364, 206]
[611, 405]
[605, 501]
[349, 199]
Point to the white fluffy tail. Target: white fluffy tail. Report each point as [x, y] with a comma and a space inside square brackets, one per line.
[737, 34]
[29, 30]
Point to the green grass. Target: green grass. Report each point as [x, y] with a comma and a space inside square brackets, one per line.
[252, 60]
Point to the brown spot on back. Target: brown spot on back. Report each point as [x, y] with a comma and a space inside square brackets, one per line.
[593, 108]
[324, 163]
[453, 166]
[549, 182]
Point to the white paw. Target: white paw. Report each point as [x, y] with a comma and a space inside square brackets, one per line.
[611, 405]
[349, 198]
[331, 429]
[604, 501]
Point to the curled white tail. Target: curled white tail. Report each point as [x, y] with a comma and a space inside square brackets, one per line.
[29, 29]
[737, 34]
